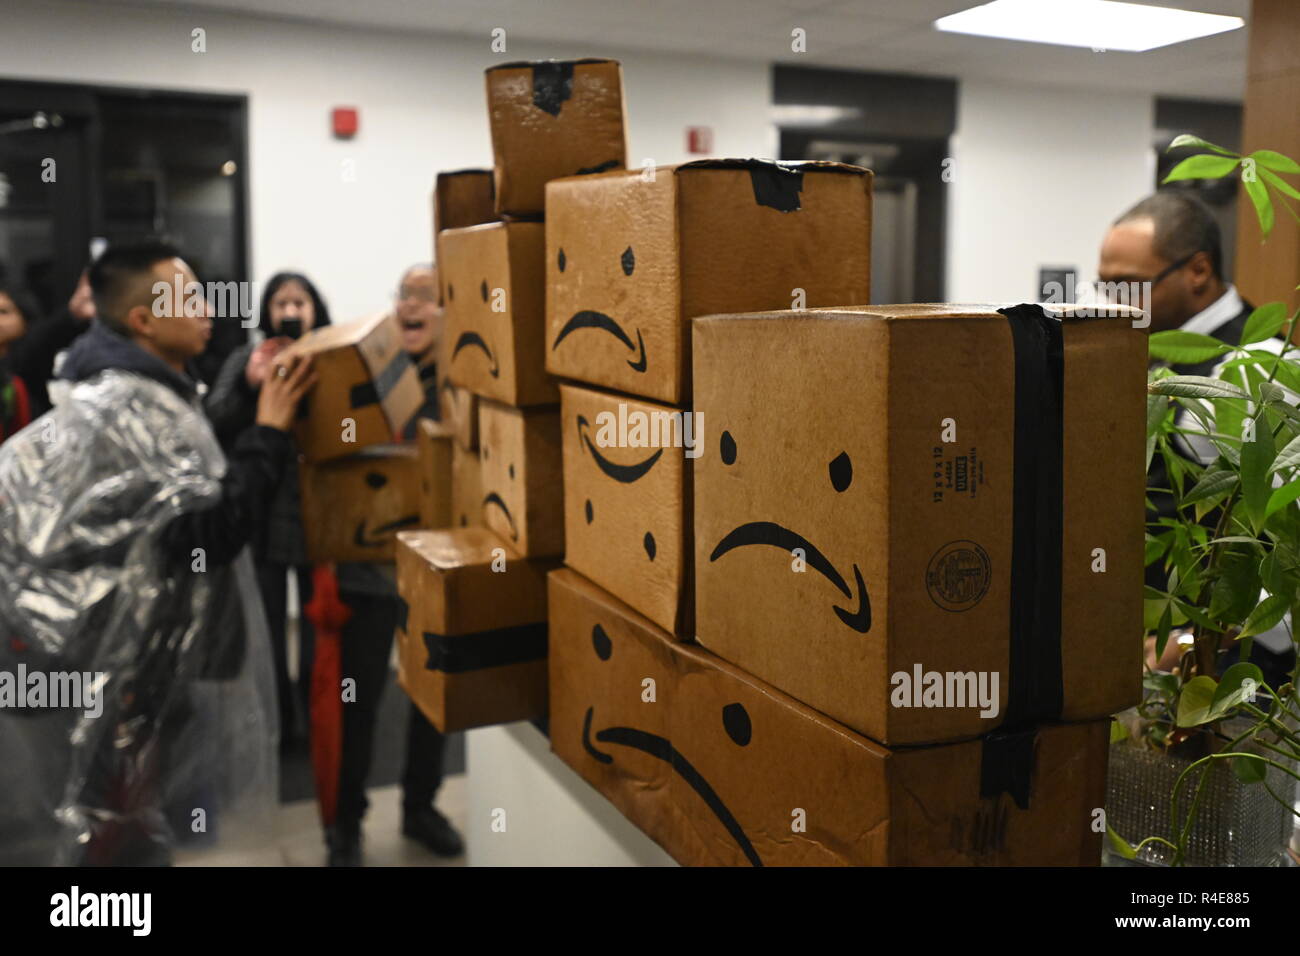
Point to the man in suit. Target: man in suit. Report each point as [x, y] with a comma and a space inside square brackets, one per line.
[1171, 240]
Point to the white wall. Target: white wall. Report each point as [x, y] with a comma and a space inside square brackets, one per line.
[1039, 175]
[422, 109]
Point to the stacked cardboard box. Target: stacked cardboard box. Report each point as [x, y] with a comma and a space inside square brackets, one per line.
[359, 484]
[547, 119]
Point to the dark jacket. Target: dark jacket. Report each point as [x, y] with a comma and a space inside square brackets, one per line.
[256, 460]
[231, 406]
[1228, 333]
[34, 354]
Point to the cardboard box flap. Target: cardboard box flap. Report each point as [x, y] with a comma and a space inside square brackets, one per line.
[802, 166]
[336, 336]
[447, 552]
[521, 64]
[933, 310]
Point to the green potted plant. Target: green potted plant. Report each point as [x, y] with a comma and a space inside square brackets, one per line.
[1204, 770]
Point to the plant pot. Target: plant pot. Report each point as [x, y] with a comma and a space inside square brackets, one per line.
[1236, 824]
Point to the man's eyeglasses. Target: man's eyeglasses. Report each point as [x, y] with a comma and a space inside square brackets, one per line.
[1127, 288]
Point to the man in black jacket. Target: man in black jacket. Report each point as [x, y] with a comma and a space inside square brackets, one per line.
[1172, 241]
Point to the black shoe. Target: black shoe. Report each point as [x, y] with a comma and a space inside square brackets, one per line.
[344, 846]
[431, 828]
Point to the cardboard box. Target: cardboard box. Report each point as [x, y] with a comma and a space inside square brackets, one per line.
[629, 261]
[552, 118]
[893, 497]
[722, 769]
[494, 313]
[433, 444]
[459, 408]
[352, 508]
[472, 645]
[523, 492]
[466, 488]
[627, 511]
[367, 388]
[463, 197]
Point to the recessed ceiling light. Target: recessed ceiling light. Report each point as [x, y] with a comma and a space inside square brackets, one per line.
[1096, 24]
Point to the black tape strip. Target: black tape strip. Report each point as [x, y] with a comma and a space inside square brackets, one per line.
[403, 613]
[1034, 682]
[1007, 765]
[377, 389]
[473, 652]
[552, 85]
[776, 186]
[599, 168]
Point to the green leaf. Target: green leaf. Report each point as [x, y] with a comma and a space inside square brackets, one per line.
[1264, 323]
[1249, 768]
[1202, 167]
[1240, 682]
[1118, 731]
[1281, 497]
[1271, 160]
[1194, 701]
[1258, 194]
[1288, 457]
[1188, 140]
[1270, 611]
[1161, 683]
[1196, 386]
[1280, 184]
[1185, 348]
[1212, 484]
[1256, 458]
[1120, 845]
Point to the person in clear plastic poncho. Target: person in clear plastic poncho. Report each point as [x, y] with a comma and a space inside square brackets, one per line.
[137, 709]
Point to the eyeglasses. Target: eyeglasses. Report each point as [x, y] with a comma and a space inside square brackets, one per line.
[1129, 288]
[419, 295]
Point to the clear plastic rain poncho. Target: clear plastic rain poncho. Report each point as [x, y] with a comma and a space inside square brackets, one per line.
[136, 693]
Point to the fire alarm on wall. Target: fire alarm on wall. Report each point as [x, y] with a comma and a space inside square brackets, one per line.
[699, 140]
[345, 121]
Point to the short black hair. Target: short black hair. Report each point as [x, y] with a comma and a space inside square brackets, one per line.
[1184, 226]
[22, 301]
[113, 277]
[273, 286]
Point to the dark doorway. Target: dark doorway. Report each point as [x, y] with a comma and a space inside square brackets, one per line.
[82, 167]
[897, 126]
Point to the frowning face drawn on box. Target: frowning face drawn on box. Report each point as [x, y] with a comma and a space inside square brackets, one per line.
[475, 324]
[607, 740]
[619, 474]
[612, 278]
[498, 496]
[829, 481]
[379, 535]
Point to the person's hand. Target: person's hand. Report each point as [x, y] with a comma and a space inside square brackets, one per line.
[260, 360]
[82, 304]
[287, 382]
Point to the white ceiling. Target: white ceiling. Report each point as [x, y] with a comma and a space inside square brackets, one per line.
[882, 35]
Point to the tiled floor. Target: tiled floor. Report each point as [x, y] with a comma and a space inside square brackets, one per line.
[298, 840]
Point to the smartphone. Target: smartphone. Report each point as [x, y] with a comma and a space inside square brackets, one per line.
[291, 328]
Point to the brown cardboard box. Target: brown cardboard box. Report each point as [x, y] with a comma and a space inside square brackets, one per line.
[462, 197]
[472, 646]
[876, 450]
[627, 509]
[495, 311]
[523, 494]
[434, 443]
[367, 388]
[460, 411]
[466, 488]
[552, 118]
[352, 508]
[629, 261]
[722, 769]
